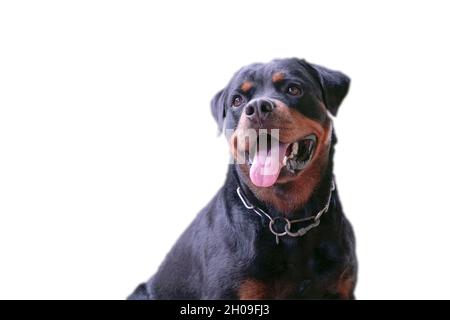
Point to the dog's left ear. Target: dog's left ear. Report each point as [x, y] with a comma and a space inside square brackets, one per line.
[334, 85]
[218, 108]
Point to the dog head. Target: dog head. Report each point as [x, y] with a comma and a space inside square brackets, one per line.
[276, 117]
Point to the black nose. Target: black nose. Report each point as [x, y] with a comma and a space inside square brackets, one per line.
[259, 109]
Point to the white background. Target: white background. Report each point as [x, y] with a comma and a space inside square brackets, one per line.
[104, 109]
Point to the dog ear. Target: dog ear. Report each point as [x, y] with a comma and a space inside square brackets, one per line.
[334, 85]
[218, 108]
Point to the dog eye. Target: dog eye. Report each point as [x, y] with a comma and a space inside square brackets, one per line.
[237, 101]
[294, 90]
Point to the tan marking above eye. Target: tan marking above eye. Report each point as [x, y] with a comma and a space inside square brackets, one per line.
[246, 86]
[277, 77]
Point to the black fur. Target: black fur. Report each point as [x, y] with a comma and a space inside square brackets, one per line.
[227, 243]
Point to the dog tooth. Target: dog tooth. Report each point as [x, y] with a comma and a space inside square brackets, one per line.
[289, 166]
[285, 159]
[295, 148]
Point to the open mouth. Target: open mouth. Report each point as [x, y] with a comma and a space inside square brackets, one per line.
[266, 163]
[299, 153]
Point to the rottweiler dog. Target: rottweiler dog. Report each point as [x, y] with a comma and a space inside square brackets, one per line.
[276, 229]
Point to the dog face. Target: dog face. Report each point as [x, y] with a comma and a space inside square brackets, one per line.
[277, 121]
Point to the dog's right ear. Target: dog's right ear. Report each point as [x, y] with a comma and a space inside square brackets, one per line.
[218, 108]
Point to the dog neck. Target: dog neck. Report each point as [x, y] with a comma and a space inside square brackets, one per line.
[315, 203]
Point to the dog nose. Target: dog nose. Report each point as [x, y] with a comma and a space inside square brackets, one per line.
[259, 109]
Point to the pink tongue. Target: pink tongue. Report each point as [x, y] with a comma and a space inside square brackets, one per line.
[266, 166]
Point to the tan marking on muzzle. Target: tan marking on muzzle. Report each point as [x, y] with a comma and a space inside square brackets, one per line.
[290, 192]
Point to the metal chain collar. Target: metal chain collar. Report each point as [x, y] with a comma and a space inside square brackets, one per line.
[287, 223]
